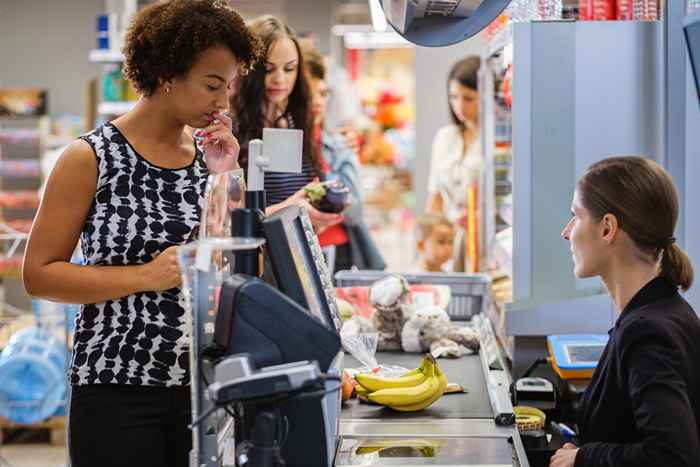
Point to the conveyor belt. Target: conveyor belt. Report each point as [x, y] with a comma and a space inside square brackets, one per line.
[466, 371]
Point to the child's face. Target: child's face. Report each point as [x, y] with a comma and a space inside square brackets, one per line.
[437, 248]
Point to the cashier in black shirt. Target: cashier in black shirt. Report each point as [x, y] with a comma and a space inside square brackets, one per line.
[642, 407]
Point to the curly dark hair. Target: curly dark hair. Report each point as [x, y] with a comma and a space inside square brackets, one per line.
[165, 38]
[248, 118]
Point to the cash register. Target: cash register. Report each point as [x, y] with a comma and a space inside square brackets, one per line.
[279, 352]
[273, 345]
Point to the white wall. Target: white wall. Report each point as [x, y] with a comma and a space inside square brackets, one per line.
[45, 43]
[431, 68]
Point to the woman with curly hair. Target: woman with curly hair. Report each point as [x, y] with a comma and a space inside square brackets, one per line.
[276, 94]
[131, 191]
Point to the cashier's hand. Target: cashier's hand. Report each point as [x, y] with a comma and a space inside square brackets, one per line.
[162, 273]
[564, 457]
[220, 147]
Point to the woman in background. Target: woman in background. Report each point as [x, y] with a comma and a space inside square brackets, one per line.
[350, 242]
[456, 160]
[276, 94]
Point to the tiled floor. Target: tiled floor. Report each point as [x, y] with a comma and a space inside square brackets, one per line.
[32, 455]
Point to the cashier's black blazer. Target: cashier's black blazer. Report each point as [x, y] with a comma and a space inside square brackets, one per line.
[642, 407]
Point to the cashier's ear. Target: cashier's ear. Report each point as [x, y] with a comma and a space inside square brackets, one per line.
[609, 228]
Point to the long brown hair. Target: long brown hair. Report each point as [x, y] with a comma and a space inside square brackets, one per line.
[246, 103]
[466, 73]
[641, 194]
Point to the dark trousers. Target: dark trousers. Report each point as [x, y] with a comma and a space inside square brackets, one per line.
[134, 426]
[343, 258]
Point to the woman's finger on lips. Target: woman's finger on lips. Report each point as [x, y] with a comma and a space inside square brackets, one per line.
[224, 118]
[222, 135]
[214, 127]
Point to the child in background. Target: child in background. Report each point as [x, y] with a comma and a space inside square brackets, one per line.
[435, 240]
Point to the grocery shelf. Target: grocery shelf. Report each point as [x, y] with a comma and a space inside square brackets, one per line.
[54, 141]
[115, 108]
[502, 38]
[106, 56]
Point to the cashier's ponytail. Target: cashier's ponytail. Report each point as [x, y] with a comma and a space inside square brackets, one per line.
[643, 198]
[676, 266]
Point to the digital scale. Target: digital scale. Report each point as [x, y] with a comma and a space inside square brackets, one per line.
[575, 356]
[443, 451]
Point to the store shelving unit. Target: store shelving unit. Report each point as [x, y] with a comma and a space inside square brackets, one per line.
[106, 56]
[22, 141]
[115, 108]
[577, 100]
[496, 139]
[108, 109]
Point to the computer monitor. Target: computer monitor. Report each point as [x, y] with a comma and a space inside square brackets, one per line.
[299, 267]
[691, 28]
[255, 318]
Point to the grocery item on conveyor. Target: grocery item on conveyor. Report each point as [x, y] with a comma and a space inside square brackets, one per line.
[411, 392]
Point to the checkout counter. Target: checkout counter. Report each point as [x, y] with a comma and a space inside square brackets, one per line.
[266, 366]
[459, 429]
[266, 359]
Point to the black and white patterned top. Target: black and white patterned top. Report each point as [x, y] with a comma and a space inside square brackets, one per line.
[138, 211]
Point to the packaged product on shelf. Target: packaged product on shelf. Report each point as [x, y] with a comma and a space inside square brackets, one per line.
[19, 168]
[597, 10]
[27, 199]
[549, 10]
[113, 84]
[637, 10]
[22, 102]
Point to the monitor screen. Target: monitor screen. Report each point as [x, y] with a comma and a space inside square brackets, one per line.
[584, 353]
[299, 267]
[691, 27]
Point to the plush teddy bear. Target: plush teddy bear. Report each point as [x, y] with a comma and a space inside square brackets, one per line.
[429, 329]
[401, 326]
[389, 299]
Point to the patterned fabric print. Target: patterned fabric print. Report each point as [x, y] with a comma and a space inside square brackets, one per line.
[139, 210]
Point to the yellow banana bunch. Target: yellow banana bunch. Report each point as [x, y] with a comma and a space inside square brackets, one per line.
[374, 383]
[413, 391]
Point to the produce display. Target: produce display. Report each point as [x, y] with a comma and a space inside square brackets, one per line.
[414, 391]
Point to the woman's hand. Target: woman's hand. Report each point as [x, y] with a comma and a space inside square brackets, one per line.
[564, 457]
[320, 220]
[220, 147]
[163, 272]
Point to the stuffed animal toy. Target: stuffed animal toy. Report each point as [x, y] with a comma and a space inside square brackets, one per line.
[389, 299]
[402, 326]
[429, 329]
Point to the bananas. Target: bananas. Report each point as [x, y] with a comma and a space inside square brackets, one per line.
[375, 383]
[411, 392]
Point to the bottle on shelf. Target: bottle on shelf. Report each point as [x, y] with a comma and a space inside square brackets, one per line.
[522, 11]
[637, 10]
[596, 10]
[550, 10]
[516, 12]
